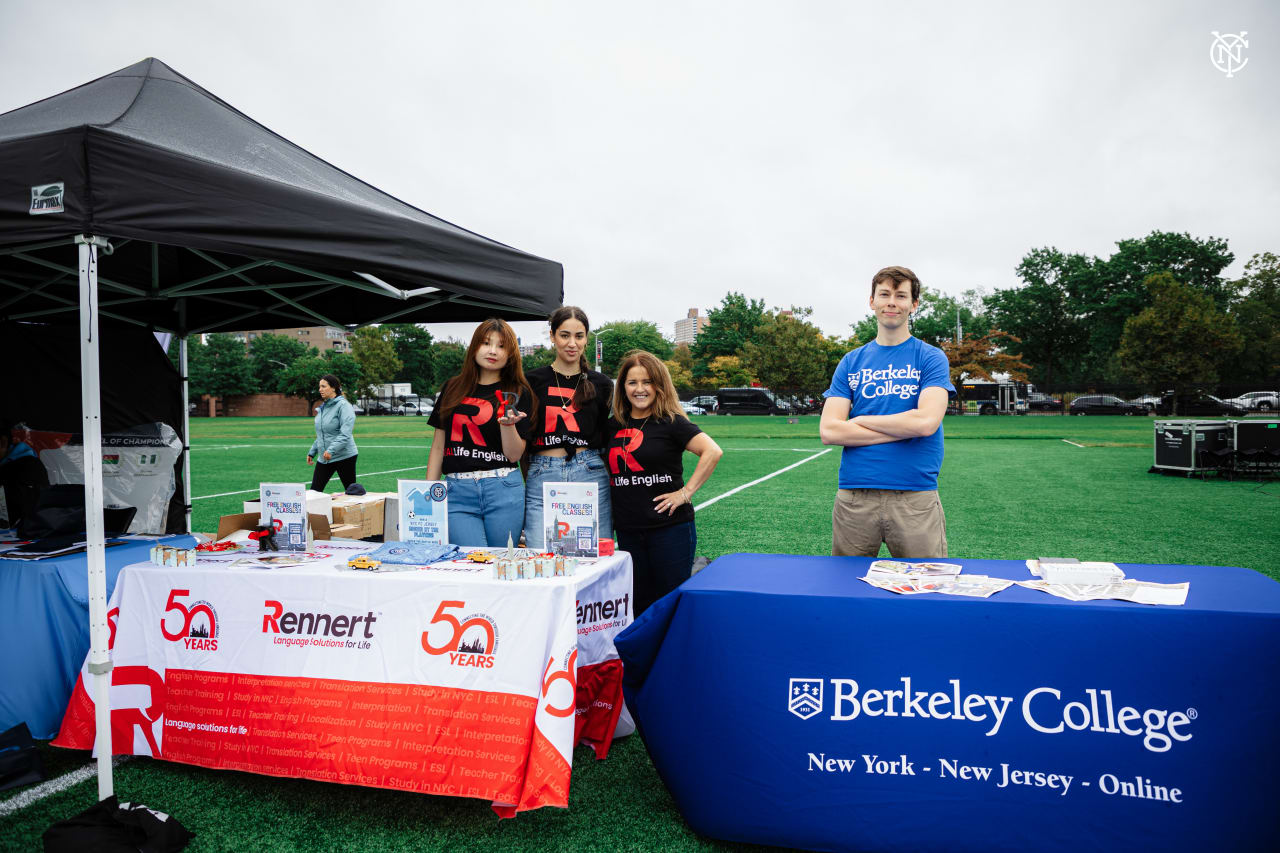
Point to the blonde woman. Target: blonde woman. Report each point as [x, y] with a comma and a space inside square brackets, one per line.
[646, 439]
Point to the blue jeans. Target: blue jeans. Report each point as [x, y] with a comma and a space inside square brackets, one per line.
[662, 559]
[585, 467]
[485, 511]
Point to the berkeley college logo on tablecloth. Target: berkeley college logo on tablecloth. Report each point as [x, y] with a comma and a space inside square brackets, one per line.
[804, 699]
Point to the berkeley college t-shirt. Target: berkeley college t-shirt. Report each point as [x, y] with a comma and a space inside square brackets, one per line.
[646, 459]
[879, 380]
[558, 422]
[473, 436]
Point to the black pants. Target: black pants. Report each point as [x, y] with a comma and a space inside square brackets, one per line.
[661, 558]
[22, 480]
[346, 469]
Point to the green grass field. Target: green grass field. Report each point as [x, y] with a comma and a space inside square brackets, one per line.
[1011, 487]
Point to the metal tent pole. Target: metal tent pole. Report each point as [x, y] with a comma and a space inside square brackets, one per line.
[186, 411]
[91, 411]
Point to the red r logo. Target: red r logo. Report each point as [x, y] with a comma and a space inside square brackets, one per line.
[484, 411]
[565, 413]
[620, 455]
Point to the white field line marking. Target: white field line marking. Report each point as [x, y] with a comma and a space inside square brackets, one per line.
[54, 786]
[250, 491]
[1073, 444]
[737, 489]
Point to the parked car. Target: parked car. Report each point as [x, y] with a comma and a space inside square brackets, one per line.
[1257, 401]
[1197, 403]
[412, 408]
[1043, 403]
[1150, 402]
[376, 407]
[1104, 404]
[749, 401]
[357, 408]
[691, 409]
[706, 401]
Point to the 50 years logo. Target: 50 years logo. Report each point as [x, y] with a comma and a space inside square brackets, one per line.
[470, 641]
[196, 625]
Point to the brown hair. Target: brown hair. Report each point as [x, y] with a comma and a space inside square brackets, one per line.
[586, 391]
[897, 275]
[666, 404]
[511, 376]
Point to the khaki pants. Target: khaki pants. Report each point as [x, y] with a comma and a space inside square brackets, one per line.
[912, 524]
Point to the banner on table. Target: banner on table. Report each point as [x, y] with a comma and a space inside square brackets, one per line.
[424, 511]
[475, 693]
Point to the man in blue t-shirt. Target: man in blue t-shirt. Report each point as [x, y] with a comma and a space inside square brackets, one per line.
[885, 407]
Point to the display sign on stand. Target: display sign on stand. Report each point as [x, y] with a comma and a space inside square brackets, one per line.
[284, 506]
[570, 513]
[424, 511]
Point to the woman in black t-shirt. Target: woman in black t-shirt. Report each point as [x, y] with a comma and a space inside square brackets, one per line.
[480, 433]
[568, 425]
[652, 504]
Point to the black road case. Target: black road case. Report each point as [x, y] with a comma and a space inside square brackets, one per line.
[1179, 444]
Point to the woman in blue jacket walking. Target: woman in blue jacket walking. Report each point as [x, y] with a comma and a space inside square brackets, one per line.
[334, 449]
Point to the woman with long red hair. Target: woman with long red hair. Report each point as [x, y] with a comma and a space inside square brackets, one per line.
[481, 421]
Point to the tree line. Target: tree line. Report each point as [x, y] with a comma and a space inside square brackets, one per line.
[1156, 313]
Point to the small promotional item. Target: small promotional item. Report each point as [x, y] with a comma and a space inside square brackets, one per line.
[507, 400]
[424, 511]
[570, 517]
[284, 506]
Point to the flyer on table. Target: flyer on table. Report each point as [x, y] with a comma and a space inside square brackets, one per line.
[285, 504]
[424, 511]
[570, 514]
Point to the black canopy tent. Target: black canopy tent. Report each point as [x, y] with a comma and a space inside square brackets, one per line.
[213, 222]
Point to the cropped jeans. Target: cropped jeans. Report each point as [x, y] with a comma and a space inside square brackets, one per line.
[485, 511]
[585, 467]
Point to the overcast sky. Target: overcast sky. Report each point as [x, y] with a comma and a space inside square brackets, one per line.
[669, 152]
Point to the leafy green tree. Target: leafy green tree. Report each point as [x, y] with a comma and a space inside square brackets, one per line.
[681, 375]
[1180, 340]
[728, 371]
[729, 327]
[302, 379]
[271, 355]
[220, 367]
[865, 329]
[372, 348]
[1117, 290]
[788, 353]
[1045, 318]
[540, 357]
[1256, 309]
[621, 337]
[412, 345]
[446, 359]
[935, 320]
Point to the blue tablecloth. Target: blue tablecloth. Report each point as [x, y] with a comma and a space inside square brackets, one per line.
[784, 701]
[44, 631]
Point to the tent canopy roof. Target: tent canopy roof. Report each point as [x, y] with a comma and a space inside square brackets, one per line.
[219, 223]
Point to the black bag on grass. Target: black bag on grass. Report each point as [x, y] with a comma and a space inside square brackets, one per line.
[20, 764]
[108, 827]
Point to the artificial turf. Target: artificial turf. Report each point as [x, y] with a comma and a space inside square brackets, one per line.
[1012, 488]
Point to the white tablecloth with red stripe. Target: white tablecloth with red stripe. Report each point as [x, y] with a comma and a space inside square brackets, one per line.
[439, 680]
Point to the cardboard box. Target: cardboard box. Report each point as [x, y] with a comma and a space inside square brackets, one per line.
[364, 512]
[229, 524]
[344, 531]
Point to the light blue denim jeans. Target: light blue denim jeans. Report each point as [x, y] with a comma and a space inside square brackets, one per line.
[585, 467]
[485, 511]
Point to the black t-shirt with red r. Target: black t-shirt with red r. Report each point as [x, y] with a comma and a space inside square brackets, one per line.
[560, 423]
[646, 459]
[473, 436]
